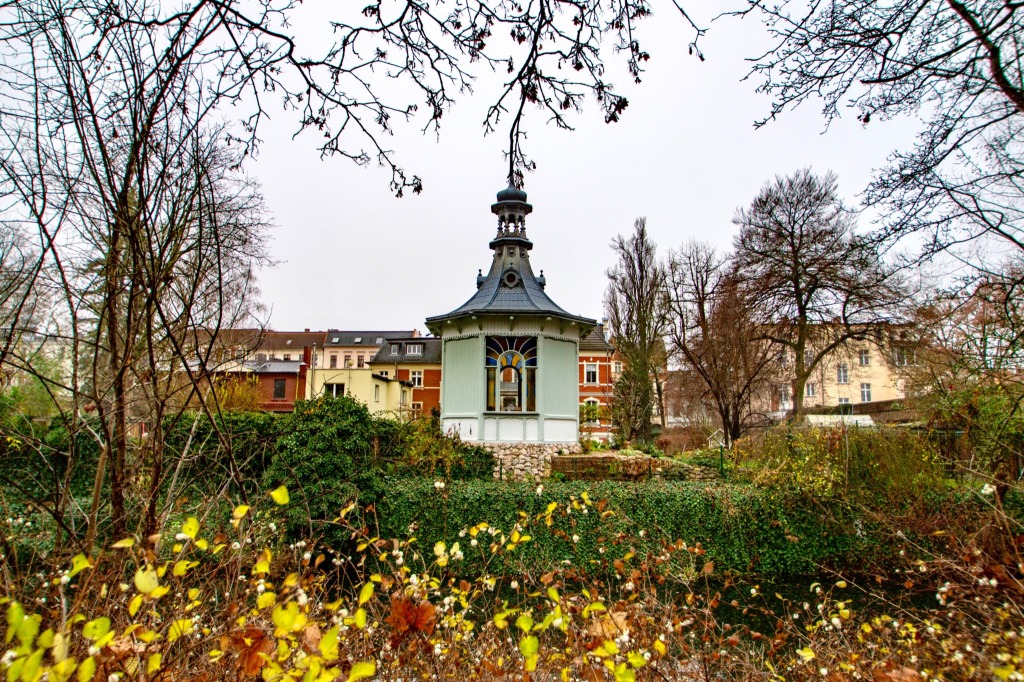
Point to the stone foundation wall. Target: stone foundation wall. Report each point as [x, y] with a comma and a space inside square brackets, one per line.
[527, 461]
[613, 465]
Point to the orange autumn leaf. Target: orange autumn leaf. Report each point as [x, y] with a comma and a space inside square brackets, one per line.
[250, 643]
[407, 617]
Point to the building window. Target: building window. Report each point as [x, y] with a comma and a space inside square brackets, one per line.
[360, 361]
[379, 341]
[617, 367]
[842, 373]
[511, 364]
[348, 361]
[865, 393]
[395, 349]
[404, 397]
[278, 389]
[590, 373]
[414, 349]
[376, 394]
[784, 398]
[287, 357]
[808, 357]
[865, 358]
[810, 390]
[844, 401]
[384, 372]
[900, 357]
[334, 361]
[334, 390]
[416, 377]
[591, 413]
[783, 358]
[417, 408]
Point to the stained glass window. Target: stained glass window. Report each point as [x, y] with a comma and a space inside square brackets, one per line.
[511, 363]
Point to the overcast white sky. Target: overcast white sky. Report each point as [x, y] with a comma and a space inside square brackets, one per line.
[685, 155]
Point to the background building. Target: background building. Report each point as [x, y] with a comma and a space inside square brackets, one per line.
[417, 360]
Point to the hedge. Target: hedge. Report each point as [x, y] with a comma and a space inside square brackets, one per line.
[742, 528]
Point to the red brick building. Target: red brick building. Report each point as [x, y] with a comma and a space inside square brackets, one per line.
[600, 367]
[416, 359]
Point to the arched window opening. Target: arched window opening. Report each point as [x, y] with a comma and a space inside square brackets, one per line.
[511, 365]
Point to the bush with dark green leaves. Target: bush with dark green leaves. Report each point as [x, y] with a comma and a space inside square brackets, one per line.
[325, 450]
[233, 446]
[741, 527]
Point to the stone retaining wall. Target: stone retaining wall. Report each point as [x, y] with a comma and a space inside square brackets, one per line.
[527, 461]
[638, 466]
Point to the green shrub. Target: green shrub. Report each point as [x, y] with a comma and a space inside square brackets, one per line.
[423, 450]
[743, 528]
[248, 438]
[326, 447]
[878, 462]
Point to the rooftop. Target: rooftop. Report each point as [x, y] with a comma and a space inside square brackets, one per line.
[368, 339]
[430, 351]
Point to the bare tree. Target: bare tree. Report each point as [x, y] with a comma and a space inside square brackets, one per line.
[717, 335]
[957, 63]
[635, 303]
[813, 283]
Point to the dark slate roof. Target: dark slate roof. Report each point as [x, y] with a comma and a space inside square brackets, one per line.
[431, 351]
[337, 337]
[494, 297]
[595, 341]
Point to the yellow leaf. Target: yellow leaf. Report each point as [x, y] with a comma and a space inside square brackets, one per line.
[183, 567]
[280, 495]
[79, 564]
[61, 671]
[636, 659]
[329, 644]
[191, 527]
[96, 629]
[134, 604]
[659, 646]
[87, 669]
[264, 600]
[152, 663]
[553, 594]
[362, 670]
[624, 674]
[240, 511]
[146, 580]
[361, 619]
[284, 616]
[123, 544]
[524, 622]
[202, 543]
[805, 654]
[529, 646]
[30, 669]
[365, 593]
[160, 591]
[180, 628]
